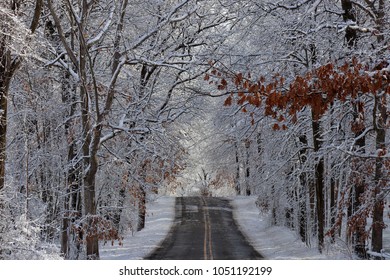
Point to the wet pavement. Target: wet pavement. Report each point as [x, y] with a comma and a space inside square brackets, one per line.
[204, 229]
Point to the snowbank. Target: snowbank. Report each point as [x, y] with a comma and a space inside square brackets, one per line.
[274, 243]
[160, 216]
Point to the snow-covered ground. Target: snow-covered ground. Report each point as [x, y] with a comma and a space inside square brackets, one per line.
[271, 242]
[137, 245]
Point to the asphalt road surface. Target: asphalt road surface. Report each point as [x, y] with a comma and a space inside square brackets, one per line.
[204, 229]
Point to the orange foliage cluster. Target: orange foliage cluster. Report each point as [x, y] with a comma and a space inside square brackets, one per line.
[317, 89]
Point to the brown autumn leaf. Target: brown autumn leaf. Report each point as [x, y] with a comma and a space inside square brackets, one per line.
[228, 101]
[276, 126]
[238, 79]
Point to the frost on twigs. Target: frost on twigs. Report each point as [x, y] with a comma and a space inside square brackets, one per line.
[21, 239]
[16, 35]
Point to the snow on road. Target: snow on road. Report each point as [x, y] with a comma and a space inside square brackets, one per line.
[272, 242]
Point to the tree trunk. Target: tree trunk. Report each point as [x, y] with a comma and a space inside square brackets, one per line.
[380, 124]
[302, 191]
[71, 238]
[141, 209]
[333, 206]
[237, 179]
[4, 84]
[359, 237]
[380, 120]
[115, 64]
[319, 184]
[6, 74]
[92, 241]
[90, 150]
[274, 219]
[247, 168]
[64, 238]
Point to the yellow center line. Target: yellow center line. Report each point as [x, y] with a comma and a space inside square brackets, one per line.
[210, 243]
[207, 244]
[205, 239]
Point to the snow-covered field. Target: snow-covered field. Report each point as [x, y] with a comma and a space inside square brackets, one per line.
[271, 242]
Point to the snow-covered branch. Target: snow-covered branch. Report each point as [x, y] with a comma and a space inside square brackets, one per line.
[104, 29]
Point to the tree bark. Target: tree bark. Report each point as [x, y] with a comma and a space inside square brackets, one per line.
[333, 206]
[237, 177]
[141, 208]
[359, 239]
[70, 237]
[380, 120]
[319, 183]
[90, 149]
[302, 192]
[380, 123]
[5, 80]
[92, 241]
[7, 70]
[247, 168]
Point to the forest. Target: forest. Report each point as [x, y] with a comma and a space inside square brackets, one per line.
[108, 104]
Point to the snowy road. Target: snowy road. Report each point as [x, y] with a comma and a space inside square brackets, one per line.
[204, 229]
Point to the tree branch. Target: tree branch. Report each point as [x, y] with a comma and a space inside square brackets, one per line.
[62, 34]
[37, 15]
